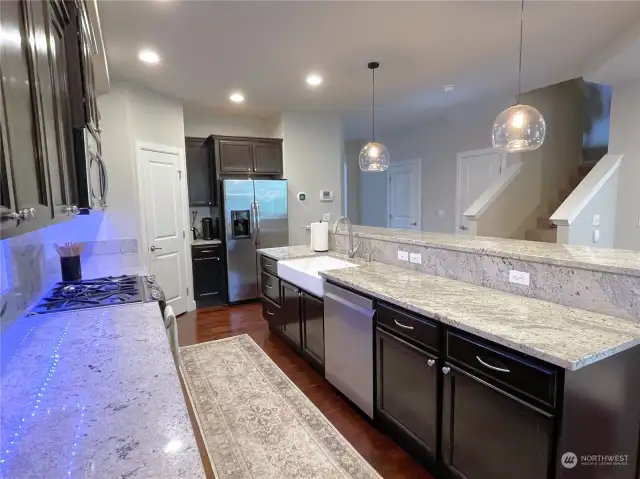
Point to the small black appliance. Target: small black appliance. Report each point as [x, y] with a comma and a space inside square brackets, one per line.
[207, 228]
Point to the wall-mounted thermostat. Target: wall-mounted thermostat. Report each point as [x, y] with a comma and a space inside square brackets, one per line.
[302, 196]
[326, 195]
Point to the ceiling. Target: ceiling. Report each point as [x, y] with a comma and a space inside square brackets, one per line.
[266, 49]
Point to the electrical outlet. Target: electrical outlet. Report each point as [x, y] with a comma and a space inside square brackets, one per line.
[519, 277]
[326, 217]
[403, 255]
[415, 258]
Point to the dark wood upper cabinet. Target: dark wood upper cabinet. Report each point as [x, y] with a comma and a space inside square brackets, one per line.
[200, 173]
[235, 156]
[248, 156]
[25, 154]
[267, 157]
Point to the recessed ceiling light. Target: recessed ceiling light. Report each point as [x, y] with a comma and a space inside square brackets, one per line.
[236, 97]
[314, 80]
[449, 88]
[148, 56]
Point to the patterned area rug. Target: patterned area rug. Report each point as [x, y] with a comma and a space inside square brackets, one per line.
[256, 423]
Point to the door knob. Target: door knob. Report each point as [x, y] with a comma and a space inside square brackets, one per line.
[445, 370]
[463, 227]
[153, 248]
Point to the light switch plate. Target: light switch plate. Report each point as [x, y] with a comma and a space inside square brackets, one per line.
[519, 277]
[415, 258]
[596, 220]
[403, 255]
[596, 235]
[326, 217]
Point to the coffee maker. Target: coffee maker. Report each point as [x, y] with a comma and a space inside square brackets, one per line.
[207, 228]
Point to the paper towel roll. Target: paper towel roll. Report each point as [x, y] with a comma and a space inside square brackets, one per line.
[320, 236]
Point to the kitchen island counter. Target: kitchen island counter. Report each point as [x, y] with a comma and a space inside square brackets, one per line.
[567, 337]
[93, 393]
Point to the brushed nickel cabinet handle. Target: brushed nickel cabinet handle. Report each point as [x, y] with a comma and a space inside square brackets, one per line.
[269, 286]
[495, 368]
[404, 326]
[270, 313]
[445, 370]
[209, 294]
[431, 362]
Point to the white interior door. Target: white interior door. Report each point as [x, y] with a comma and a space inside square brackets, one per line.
[404, 195]
[476, 171]
[164, 223]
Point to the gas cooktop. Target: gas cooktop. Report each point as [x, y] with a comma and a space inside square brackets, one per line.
[91, 293]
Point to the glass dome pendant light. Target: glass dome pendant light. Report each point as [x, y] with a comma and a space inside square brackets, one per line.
[374, 156]
[520, 127]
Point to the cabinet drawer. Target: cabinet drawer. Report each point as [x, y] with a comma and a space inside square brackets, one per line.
[271, 287]
[410, 326]
[272, 313]
[207, 251]
[529, 378]
[269, 265]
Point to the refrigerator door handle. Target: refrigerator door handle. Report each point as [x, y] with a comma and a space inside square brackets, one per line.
[252, 222]
[257, 207]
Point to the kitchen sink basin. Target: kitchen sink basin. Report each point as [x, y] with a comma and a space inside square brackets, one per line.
[303, 272]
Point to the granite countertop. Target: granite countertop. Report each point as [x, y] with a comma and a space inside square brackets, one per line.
[93, 394]
[291, 252]
[584, 257]
[204, 242]
[567, 337]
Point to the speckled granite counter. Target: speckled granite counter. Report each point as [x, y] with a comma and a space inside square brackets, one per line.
[567, 337]
[290, 252]
[595, 259]
[204, 242]
[93, 394]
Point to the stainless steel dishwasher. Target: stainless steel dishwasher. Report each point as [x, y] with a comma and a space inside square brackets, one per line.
[348, 345]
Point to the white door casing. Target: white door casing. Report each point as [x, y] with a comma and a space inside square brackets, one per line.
[476, 170]
[162, 190]
[404, 195]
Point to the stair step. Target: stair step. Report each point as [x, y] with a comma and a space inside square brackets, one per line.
[545, 223]
[543, 235]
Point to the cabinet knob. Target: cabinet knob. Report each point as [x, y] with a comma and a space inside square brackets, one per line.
[431, 362]
[248, 169]
[27, 214]
[70, 209]
[445, 370]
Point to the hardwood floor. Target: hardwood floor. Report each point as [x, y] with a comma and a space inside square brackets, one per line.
[207, 324]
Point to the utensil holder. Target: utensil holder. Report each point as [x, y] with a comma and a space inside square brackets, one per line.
[71, 268]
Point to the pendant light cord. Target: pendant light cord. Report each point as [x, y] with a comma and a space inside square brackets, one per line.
[520, 60]
[373, 104]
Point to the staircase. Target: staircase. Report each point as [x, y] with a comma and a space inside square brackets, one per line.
[546, 231]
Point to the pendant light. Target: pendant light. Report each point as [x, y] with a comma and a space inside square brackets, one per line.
[374, 156]
[520, 127]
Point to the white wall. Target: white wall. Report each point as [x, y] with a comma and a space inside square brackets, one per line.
[201, 123]
[131, 113]
[313, 161]
[351, 152]
[437, 142]
[625, 139]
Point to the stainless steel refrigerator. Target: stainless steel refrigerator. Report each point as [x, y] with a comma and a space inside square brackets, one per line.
[255, 216]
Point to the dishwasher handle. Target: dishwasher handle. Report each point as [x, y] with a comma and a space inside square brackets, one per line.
[349, 304]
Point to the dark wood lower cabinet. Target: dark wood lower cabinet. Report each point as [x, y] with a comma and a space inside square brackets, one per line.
[208, 275]
[313, 330]
[291, 328]
[272, 313]
[489, 434]
[407, 394]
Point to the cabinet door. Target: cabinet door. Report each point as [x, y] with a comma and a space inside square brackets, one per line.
[27, 160]
[7, 198]
[267, 157]
[313, 328]
[407, 386]
[489, 434]
[208, 279]
[199, 177]
[291, 313]
[235, 156]
[52, 78]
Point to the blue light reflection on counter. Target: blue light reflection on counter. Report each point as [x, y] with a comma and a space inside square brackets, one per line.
[33, 407]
